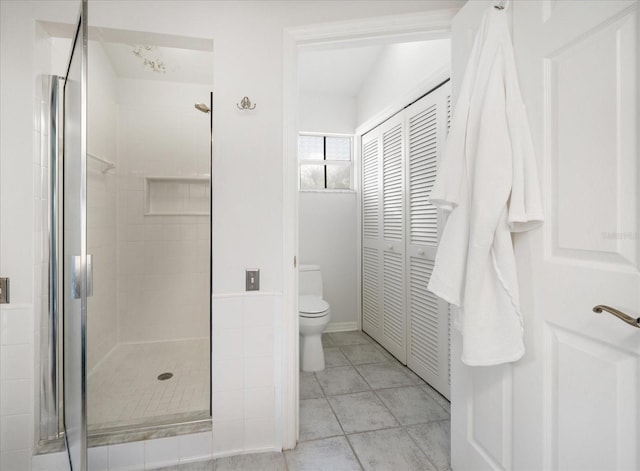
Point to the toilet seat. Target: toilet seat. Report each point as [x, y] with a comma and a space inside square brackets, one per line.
[312, 306]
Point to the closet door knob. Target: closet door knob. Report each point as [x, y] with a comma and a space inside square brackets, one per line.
[390, 247]
[421, 252]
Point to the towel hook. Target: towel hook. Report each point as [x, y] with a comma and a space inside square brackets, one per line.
[501, 5]
[245, 104]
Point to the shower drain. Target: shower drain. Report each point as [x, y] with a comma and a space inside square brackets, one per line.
[165, 376]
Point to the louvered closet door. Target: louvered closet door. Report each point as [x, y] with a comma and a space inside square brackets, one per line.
[393, 250]
[428, 319]
[371, 235]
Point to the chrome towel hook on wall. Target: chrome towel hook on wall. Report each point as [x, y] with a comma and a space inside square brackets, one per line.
[245, 104]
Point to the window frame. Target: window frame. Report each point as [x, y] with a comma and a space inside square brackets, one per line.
[328, 162]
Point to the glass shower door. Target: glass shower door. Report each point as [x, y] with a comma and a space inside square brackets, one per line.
[74, 258]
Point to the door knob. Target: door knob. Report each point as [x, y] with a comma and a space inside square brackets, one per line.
[619, 314]
[421, 252]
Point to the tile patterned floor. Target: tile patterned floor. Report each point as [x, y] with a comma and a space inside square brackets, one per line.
[124, 388]
[365, 411]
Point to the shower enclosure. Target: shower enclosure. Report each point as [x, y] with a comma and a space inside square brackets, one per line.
[125, 339]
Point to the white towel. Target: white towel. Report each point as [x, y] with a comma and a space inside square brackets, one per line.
[489, 182]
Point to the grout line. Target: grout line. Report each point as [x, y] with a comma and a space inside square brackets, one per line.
[400, 424]
[324, 393]
[403, 426]
[344, 434]
[354, 451]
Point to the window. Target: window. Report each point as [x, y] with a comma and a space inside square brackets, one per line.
[325, 162]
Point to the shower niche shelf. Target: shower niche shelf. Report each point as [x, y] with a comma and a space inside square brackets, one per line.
[176, 196]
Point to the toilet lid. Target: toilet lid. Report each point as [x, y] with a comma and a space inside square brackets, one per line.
[312, 305]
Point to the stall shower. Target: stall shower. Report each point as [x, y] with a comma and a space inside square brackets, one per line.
[148, 226]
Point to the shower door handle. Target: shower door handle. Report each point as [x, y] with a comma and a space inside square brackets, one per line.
[89, 275]
[76, 272]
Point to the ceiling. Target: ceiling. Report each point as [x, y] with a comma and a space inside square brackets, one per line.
[144, 62]
[336, 71]
[149, 56]
[344, 70]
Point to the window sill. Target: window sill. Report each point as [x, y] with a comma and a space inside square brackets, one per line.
[326, 191]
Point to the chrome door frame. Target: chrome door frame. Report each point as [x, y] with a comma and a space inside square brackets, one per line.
[75, 415]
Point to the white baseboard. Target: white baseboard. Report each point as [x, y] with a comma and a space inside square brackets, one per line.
[341, 326]
[246, 451]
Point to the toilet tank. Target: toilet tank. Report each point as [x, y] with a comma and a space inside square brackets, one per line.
[309, 280]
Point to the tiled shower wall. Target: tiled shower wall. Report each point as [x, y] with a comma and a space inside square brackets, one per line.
[19, 328]
[163, 260]
[16, 378]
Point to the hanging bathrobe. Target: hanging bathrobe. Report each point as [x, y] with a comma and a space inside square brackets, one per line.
[488, 181]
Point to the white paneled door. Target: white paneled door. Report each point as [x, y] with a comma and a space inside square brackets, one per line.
[371, 236]
[393, 280]
[573, 401]
[427, 317]
[383, 281]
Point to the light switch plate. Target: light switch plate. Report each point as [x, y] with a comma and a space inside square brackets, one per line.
[4, 290]
[253, 279]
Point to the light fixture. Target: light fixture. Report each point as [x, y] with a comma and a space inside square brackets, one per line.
[151, 57]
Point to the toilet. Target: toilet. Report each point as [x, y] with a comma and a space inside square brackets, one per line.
[314, 315]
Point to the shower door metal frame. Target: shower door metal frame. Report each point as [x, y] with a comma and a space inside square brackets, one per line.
[75, 281]
[50, 435]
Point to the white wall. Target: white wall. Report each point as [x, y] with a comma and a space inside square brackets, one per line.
[328, 232]
[321, 112]
[163, 261]
[247, 179]
[328, 237]
[400, 68]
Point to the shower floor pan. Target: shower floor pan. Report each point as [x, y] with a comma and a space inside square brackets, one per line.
[124, 390]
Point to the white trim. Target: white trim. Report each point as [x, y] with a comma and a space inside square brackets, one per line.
[327, 190]
[427, 25]
[15, 307]
[341, 327]
[236, 452]
[290, 131]
[357, 177]
[245, 293]
[324, 134]
[434, 24]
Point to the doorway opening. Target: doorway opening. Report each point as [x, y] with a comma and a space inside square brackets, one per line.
[321, 112]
